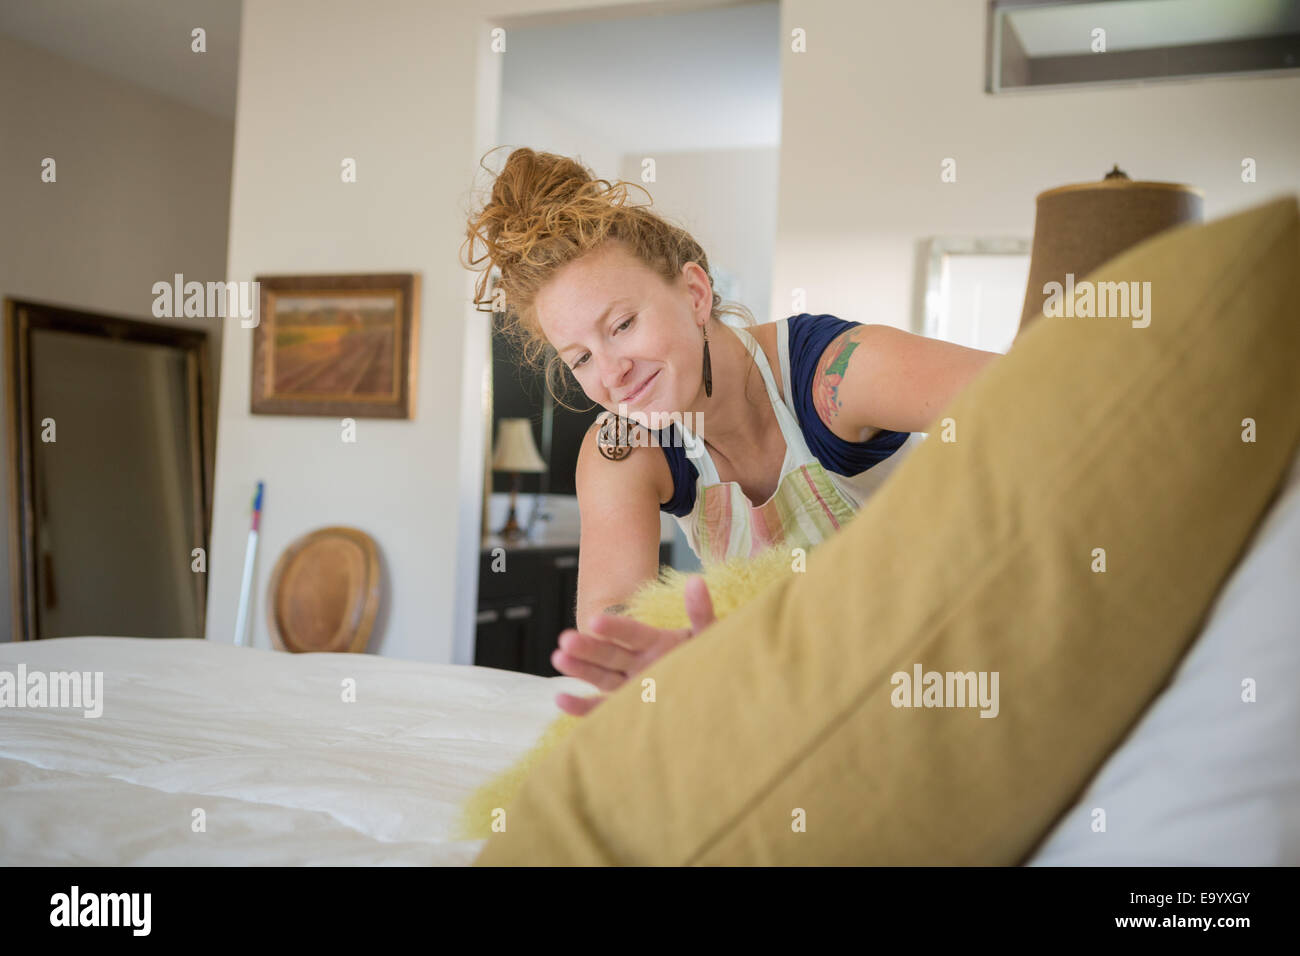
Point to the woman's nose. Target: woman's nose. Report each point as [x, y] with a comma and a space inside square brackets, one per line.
[612, 372]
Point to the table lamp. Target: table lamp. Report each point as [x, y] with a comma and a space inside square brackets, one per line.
[516, 453]
[1083, 225]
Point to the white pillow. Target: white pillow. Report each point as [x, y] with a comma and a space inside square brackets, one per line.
[1204, 778]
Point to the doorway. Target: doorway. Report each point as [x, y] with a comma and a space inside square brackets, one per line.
[682, 100]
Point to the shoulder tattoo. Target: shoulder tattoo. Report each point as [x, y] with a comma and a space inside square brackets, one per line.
[830, 373]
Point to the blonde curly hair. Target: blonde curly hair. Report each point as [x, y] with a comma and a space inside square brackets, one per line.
[546, 211]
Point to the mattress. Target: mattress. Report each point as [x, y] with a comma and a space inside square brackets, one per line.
[210, 754]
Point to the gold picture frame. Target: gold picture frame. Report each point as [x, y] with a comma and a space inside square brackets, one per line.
[338, 346]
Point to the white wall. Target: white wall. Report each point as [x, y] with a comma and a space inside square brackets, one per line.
[525, 122]
[411, 90]
[726, 199]
[876, 103]
[393, 84]
[143, 192]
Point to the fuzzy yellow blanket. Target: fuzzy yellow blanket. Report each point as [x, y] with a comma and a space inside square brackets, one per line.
[661, 604]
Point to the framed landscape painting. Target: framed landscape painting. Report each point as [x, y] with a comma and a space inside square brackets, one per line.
[341, 346]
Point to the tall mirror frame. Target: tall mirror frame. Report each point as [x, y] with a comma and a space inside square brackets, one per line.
[22, 319]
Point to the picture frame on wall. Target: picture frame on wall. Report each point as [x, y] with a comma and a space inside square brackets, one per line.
[337, 346]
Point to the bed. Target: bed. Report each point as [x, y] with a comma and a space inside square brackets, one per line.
[210, 754]
[284, 771]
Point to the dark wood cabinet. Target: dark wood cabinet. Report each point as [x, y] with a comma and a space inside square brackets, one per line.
[502, 633]
[526, 597]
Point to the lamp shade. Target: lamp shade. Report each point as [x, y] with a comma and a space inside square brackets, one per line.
[516, 450]
[1080, 226]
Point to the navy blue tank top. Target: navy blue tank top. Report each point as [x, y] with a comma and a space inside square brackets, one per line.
[808, 337]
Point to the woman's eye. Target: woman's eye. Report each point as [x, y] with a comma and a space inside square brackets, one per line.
[586, 355]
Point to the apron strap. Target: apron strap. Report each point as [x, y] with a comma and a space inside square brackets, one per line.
[797, 452]
[699, 454]
[783, 353]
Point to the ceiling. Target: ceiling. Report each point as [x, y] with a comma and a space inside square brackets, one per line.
[144, 42]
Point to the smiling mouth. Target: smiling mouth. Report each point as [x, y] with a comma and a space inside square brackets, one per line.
[642, 389]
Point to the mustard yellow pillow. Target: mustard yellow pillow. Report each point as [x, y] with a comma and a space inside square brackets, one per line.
[1099, 489]
[661, 603]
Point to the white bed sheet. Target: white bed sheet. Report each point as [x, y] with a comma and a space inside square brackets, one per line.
[285, 771]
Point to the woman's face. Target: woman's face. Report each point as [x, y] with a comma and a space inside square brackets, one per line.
[619, 328]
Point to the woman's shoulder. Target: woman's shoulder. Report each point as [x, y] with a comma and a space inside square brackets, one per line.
[809, 339]
[820, 348]
[640, 458]
[810, 334]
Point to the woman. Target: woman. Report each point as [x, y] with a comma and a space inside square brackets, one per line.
[625, 300]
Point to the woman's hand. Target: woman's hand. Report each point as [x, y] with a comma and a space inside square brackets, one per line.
[621, 647]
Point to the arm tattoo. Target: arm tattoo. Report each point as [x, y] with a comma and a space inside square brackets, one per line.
[615, 609]
[835, 361]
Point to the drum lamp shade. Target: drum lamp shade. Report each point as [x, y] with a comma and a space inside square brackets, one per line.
[1080, 226]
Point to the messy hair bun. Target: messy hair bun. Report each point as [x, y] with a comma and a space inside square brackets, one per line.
[545, 211]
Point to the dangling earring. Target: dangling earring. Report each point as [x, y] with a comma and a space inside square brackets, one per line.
[708, 367]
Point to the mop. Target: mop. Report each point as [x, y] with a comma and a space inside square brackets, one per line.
[246, 587]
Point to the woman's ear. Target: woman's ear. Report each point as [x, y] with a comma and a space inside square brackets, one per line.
[700, 287]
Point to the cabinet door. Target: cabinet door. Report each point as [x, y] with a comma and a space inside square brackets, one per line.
[502, 636]
[559, 576]
[522, 612]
